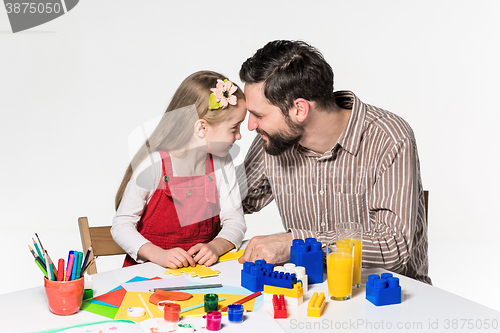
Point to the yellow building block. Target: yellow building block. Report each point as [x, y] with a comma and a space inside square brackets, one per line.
[296, 292]
[316, 305]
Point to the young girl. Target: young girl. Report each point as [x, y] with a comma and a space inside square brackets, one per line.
[182, 181]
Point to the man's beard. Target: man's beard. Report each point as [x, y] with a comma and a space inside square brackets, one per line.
[278, 143]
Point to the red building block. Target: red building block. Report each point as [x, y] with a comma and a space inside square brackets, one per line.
[279, 307]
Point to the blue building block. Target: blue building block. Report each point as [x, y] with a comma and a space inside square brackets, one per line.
[252, 275]
[308, 254]
[383, 290]
[279, 279]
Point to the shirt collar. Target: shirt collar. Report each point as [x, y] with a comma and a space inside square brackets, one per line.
[350, 139]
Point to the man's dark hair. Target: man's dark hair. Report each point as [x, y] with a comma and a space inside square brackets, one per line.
[291, 70]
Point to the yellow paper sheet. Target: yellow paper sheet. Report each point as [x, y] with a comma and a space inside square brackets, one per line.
[199, 270]
[231, 255]
[131, 299]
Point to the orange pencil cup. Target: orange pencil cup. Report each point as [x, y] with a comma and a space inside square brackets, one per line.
[64, 297]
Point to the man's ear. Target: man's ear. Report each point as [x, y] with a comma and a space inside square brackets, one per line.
[300, 109]
[200, 128]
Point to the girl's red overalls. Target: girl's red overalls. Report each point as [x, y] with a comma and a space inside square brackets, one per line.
[182, 212]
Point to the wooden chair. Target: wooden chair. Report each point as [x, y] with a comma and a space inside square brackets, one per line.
[100, 239]
[426, 200]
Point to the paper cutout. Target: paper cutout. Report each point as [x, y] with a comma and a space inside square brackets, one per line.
[103, 310]
[112, 298]
[132, 300]
[231, 255]
[146, 286]
[107, 304]
[135, 279]
[199, 270]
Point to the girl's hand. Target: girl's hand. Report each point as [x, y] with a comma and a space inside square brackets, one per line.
[206, 254]
[174, 258]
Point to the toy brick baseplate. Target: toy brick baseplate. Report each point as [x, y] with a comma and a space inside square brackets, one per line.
[293, 296]
[308, 254]
[383, 290]
[316, 305]
[279, 307]
[255, 275]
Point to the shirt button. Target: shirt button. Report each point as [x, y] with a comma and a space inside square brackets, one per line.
[323, 224]
[189, 193]
[321, 192]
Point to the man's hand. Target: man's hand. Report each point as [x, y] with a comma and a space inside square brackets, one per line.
[274, 249]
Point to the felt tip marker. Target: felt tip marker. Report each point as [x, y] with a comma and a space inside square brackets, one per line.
[69, 268]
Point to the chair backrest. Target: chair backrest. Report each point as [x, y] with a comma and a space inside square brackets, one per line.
[426, 200]
[101, 240]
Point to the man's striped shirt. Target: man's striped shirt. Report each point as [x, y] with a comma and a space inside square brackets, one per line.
[371, 176]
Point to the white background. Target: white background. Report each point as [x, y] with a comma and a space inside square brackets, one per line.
[74, 89]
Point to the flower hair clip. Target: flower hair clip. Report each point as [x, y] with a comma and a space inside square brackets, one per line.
[222, 95]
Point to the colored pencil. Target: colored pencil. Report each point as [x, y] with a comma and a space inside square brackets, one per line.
[49, 271]
[69, 267]
[86, 260]
[32, 252]
[89, 264]
[243, 300]
[60, 270]
[201, 286]
[39, 241]
[53, 267]
[38, 251]
[43, 269]
[198, 306]
[37, 258]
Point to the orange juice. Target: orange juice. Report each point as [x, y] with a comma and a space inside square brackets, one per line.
[339, 271]
[356, 271]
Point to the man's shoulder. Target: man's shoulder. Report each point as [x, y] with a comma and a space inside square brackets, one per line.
[386, 123]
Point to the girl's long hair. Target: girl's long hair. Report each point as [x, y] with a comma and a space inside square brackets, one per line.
[175, 130]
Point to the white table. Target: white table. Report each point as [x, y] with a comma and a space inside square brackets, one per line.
[423, 308]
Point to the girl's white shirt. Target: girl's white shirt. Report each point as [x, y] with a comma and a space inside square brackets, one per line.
[142, 186]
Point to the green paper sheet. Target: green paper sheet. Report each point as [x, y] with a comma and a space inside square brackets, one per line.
[103, 310]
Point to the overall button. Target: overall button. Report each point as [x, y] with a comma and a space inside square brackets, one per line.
[166, 179]
[210, 178]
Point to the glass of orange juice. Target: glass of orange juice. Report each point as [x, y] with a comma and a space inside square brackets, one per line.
[353, 232]
[339, 266]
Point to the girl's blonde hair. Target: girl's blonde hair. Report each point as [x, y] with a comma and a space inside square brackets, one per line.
[173, 133]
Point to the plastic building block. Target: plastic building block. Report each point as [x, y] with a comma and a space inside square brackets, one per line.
[316, 305]
[289, 301]
[252, 275]
[279, 307]
[383, 290]
[295, 292]
[308, 254]
[300, 273]
[278, 279]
